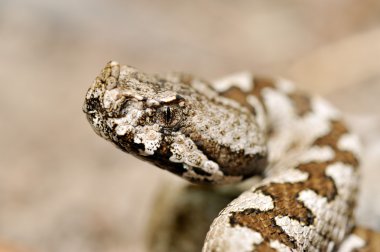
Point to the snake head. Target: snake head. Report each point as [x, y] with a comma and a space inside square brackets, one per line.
[175, 122]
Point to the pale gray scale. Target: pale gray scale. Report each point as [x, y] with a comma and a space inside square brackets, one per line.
[260, 112]
[239, 239]
[351, 143]
[285, 86]
[282, 118]
[299, 232]
[345, 178]
[352, 243]
[243, 80]
[331, 220]
[280, 247]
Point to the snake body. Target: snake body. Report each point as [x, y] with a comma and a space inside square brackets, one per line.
[230, 130]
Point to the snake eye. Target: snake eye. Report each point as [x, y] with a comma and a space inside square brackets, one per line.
[169, 116]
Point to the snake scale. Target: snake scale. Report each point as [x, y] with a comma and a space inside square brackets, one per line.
[229, 130]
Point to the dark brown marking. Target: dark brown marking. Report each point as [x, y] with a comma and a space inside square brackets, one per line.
[262, 222]
[338, 129]
[301, 103]
[259, 83]
[318, 181]
[331, 139]
[264, 247]
[285, 195]
[240, 96]
[231, 163]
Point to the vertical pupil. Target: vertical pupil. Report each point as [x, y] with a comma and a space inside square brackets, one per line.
[168, 115]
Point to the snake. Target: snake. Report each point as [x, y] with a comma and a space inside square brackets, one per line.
[231, 129]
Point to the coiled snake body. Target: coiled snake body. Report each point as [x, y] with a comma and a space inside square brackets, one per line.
[230, 130]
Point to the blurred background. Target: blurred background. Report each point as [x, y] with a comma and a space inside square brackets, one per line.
[62, 188]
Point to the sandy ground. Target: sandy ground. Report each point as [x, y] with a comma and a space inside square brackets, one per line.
[62, 188]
